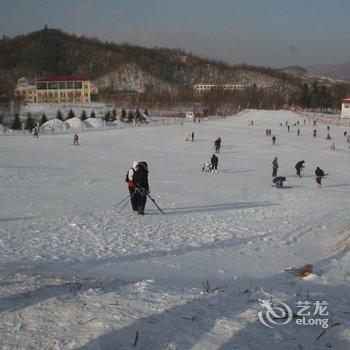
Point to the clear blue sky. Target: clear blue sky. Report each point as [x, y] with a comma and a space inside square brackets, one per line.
[264, 32]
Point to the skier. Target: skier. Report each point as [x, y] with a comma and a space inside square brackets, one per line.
[273, 140]
[327, 128]
[36, 132]
[298, 132]
[207, 167]
[192, 136]
[278, 181]
[288, 128]
[345, 133]
[142, 188]
[132, 184]
[299, 167]
[274, 167]
[328, 137]
[319, 173]
[76, 140]
[314, 132]
[214, 164]
[217, 145]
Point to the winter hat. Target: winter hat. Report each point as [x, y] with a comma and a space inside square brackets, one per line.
[134, 165]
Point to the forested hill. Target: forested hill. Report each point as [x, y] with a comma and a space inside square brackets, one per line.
[122, 66]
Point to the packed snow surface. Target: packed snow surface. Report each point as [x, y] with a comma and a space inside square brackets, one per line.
[78, 274]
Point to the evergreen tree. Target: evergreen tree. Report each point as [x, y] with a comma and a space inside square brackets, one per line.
[131, 117]
[71, 114]
[123, 115]
[83, 115]
[59, 115]
[92, 114]
[43, 119]
[16, 123]
[29, 123]
[114, 115]
[138, 116]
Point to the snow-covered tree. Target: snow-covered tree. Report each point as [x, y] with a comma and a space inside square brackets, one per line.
[113, 115]
[71, 114]
[83, 115]
[59, 115]
[123, 115]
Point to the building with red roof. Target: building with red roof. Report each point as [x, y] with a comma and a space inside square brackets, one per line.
[63, 88]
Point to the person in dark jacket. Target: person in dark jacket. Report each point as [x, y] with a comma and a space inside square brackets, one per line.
[278, 181]
[274, 167]
[192, 136]
[217, 145]
[214, 163]
[319, 173]
[142, 188]
[299, 167]
[273, 139]
[76, 140]
[132, 185]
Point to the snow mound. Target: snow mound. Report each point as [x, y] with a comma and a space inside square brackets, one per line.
[73, 123]
[52, 125]
[2, 129]
[93, 123]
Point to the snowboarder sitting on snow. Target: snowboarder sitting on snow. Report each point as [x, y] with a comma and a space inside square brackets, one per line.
[132, 185]
[207, 167]
[142, 188]
[299, 167]
[76, 140]
[214, 163]
[319, 173]
[278, 181]
[274, 167]
[315, 132]
[328, 137]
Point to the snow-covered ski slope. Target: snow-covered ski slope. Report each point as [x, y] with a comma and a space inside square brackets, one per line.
[77, 274]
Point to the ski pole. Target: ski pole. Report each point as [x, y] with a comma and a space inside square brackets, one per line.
[122, 200]
[155, 204]
[126, 203]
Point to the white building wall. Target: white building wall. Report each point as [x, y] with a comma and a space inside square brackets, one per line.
[345, 110]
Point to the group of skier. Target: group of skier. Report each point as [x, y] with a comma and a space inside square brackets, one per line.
[137, 176]
[278, 180]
